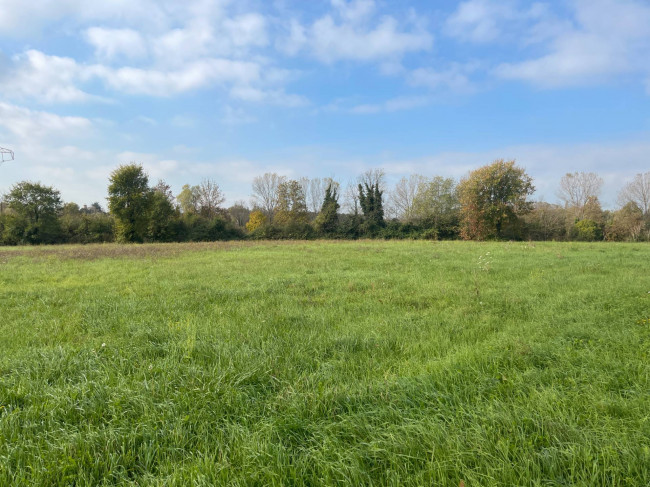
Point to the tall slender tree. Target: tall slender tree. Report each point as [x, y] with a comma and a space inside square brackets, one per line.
[328, 218]
[371, 202]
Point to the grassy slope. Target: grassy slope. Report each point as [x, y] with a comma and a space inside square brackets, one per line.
[383, 363]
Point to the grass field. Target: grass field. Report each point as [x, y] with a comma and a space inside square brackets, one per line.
[325, 363]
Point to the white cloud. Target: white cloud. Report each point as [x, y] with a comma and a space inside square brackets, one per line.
[25, 124]
[611, 38]
[483, 21]
[143, 47]
[199, 74]
[46, 78]
[112, 43]
[247, 30]
[354, 11]
[20, 18]
[355, 37]
[57, 79]
[479, 20]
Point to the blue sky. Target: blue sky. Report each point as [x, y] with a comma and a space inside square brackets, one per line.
[230, 89]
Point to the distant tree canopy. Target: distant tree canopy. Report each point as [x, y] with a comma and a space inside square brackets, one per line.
[291, 207]
[129, 201]
[492, 197]
[492, 202]
[33, 218]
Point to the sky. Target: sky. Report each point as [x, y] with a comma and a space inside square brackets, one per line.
[231, 89]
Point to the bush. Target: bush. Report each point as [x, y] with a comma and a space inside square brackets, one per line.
[587, 231]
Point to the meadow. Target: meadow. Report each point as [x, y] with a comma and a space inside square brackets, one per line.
[325, 363]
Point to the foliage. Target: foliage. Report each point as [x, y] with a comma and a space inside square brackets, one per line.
[372, 206]
[637, 191]
[588, 231]
[257, 219]
[162, 218]
[129, 201]
[33, 214]
[492, 197]
[327, 221]
[239, 213]
[626, 225]
[291, 207]
[436, 206]
[209, 199]
[197, 228]
[188, 199]
[546, 222]
[265, 192]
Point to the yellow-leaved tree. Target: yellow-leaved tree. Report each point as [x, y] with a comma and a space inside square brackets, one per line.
[256, 220]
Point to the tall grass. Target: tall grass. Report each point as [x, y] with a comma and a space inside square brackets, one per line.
[325, 363]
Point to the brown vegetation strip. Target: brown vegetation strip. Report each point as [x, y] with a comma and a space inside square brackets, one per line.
[117, 251]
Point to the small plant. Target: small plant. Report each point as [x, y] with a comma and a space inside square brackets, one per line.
[484, 262]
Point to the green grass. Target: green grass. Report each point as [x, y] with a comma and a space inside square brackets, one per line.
[325, 363]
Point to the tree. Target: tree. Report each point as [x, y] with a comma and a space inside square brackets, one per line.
[328, 218]
[265, 192]
[162, 216]
[165, 190]
[374, 177]
[188, 199]
[404, 196]
[96, 208]
[491, 197]
[587, 230]
[239, 213]
[209, 198]
[33, 215]
[371, 202]
[256, 220]
[351, 199]
[546, 221]
[576, 189]
[436, 206]
[626, 224]
[637, 191]
[593, 211]
[71, 221]
[291, 207]
[129, 201]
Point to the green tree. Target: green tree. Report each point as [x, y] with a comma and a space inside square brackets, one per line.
[372, 206]
[188, 199]
[436, 206]
[129, 201]
[71, 221]
[328, 219]
[163, 215]
[587, 231]
[492, 197]
[33, 214]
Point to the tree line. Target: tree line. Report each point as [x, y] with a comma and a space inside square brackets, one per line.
[492, 202]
